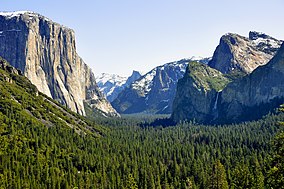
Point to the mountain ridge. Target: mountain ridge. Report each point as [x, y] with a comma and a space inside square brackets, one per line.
[111, 84]
[153, 92]
[244, 54]
[245, 98]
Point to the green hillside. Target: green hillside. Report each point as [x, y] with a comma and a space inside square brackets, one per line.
[39, 137]
[44, 145]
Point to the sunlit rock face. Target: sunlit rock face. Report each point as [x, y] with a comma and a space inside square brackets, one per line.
[209, 96]
[238, 53]
[45, 52]
[256, 93]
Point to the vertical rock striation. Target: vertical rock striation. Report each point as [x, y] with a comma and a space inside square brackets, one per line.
[45, 52]
[255, 94]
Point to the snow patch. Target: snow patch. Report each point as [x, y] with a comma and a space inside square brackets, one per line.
[146, 82]
[19, 13]
[14, 14]
[112, 78]
[270, 42]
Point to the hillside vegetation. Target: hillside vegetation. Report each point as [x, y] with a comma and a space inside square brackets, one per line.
[44, 145]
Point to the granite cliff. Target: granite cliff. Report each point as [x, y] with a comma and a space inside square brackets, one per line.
[45, 52]
[198, 93]
[239, 53]
[235, 100]
[255, 94]
[249, 87]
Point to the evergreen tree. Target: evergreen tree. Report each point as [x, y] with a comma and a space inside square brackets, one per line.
[258, 178]
[275, 178]
[131, 183]
[241, 177]
[218, 179]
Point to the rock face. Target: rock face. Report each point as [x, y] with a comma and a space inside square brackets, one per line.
[198, 93]
[238, 53]
[250, 88]
[134, 76]
[246, 98]
[153, 93]
[4, 65]
[255, 94]
[111, 84]
[46, 53]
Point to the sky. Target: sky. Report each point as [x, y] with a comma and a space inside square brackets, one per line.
[118, 36]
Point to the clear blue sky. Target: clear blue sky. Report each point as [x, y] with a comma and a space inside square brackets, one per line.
[117, 36]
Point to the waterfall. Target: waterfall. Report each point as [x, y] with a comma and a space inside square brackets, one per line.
[216, 101]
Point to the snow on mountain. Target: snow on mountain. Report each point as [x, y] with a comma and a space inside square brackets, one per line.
[145, 83]
[154, 91]
[112, 78]
[20, 13]
[14, 14]
[244, 54]
[264, 42]
[111, 84]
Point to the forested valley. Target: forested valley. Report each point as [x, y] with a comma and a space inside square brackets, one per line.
[45, 145]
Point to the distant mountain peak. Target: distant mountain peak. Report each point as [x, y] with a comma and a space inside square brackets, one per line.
[112, 84]
[153, 93]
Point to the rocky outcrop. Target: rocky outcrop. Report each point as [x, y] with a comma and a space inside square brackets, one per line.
[4, 65]
[154, 92]
[198, 93]
[134, 76]
[111, 84]
[242, 99]
[256, 94]
[46, 53]
[238, 53]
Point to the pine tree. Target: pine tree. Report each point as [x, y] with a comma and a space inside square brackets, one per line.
[241, 177]
[218, 179]
[258, 180]
[131, 183]
[275, 178]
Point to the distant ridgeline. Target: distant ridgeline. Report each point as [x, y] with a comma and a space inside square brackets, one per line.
[232, 86]
[111, 84]
[247, 86]
[153, 92]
